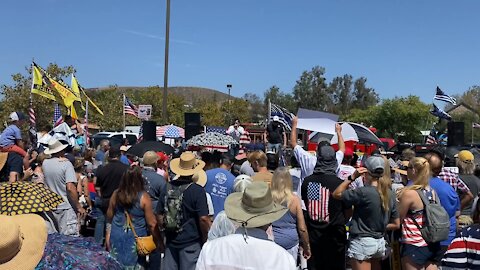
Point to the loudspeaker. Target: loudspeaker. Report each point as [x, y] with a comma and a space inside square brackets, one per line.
[149, 131]
[192, 125]
[456, 134]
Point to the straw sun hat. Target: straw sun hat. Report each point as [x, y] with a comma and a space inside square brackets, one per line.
[254, 207]
[55, 146]
[23, 241]
[186, 164]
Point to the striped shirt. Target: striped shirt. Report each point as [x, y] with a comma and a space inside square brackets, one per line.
[410, 232]
[464, 251]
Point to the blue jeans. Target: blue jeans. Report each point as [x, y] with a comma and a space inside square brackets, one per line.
[99, 234]
[277, 147]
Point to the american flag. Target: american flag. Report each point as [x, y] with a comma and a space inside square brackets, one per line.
[170, 131]
[285, 117]
[432, 137]
[33, 123]
[318, 198]
[440, 113]
[440, 95]
[129, 107]
[57, 116]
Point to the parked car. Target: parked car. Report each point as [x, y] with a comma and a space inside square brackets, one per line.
[115, 138]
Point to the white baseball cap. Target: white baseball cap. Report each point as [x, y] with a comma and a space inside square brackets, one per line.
[16, 116]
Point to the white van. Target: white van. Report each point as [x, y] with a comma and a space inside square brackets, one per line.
[115, 138]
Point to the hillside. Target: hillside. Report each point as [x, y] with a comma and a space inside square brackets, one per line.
[191, 94]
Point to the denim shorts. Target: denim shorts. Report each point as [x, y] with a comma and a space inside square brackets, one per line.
[366, 248]
[423, 255]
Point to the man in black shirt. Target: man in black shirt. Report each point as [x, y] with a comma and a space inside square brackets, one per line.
[325, 216]
[107, 180]
[184, 245]
[275, 136]
[11, 167]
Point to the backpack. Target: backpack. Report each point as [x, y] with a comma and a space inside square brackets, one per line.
[437, 222]
[173, 216]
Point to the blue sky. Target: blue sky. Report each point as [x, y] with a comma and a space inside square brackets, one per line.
[402, 47]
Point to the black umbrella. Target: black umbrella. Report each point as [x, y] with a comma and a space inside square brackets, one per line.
[140, 148]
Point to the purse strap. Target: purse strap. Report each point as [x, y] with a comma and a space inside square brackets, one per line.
[129, 220]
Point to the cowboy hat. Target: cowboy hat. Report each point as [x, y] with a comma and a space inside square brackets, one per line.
[254, 207]
[23, 241]
[55, 146]
[200, 178]
[3, 159]
[186, 164]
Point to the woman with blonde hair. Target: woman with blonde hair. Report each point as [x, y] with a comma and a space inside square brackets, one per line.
[374, 213]
[287, 229]
[416, 252]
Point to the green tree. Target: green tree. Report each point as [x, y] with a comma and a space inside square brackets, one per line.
[211, 112]
[257, 108]
[341, 87]
[239, 109]
[278, 97]
[364, 96]
[311, 91]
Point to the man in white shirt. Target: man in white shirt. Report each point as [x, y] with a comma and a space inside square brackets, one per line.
[248, 247]
[236, 131]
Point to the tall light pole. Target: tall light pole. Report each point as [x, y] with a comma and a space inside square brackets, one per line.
[165, 74]
[229, 87]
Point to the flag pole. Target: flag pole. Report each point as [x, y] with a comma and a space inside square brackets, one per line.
[123, 108]
[86, 125]
[472, 133]
[31, 113]
[269, 111]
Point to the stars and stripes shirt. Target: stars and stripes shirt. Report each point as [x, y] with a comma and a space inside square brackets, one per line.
[464, 251]
[318, 198]
[322, 209]
[410, 232]
[453, 180]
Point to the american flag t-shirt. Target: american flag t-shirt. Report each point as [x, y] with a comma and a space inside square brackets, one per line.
[318, 198]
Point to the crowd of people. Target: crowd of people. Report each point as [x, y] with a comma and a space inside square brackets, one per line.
[212, 210]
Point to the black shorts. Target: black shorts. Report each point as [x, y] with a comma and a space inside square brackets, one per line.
[422, 255]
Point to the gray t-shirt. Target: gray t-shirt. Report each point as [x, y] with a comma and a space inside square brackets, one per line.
[369, 219]
[473, 183]
[59, 172]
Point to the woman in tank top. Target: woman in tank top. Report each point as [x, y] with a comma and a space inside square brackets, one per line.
[416, 252]
[287, 229]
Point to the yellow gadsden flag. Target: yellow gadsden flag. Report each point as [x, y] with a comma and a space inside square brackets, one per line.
[45, 86]
[78, 90]
[40, 85]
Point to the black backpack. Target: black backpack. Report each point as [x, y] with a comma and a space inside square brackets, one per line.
[173, 216]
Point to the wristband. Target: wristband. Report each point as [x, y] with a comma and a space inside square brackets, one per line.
[349, 178]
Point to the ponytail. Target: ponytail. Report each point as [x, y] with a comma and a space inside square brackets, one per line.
[384, 185]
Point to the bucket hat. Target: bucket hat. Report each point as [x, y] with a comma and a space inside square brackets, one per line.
[254, 207]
